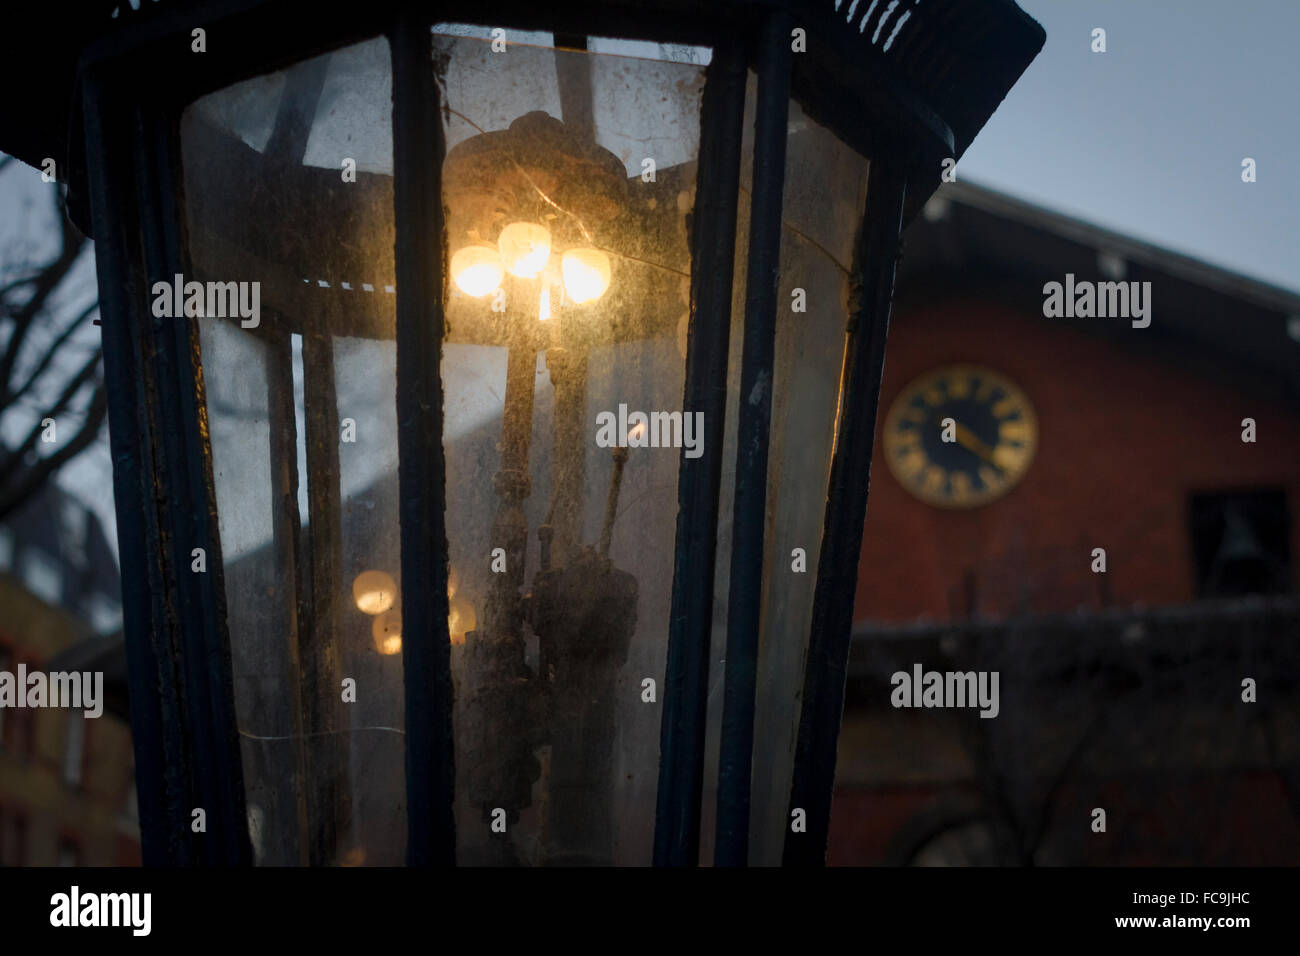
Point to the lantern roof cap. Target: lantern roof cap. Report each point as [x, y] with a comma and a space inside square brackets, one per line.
[920, 78]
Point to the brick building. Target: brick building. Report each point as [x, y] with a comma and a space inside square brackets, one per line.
[67, 784]
[1121, 688]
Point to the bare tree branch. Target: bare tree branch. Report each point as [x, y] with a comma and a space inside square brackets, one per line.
[71, 244]
[26, 300]
[17, 284]
[14, 457]
[50, 352]
[14, 497]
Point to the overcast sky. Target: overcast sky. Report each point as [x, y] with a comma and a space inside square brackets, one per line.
[1146, 139]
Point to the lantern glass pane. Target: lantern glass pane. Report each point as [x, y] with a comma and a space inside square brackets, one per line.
[824, 197]
[568, 183]
[286, 200]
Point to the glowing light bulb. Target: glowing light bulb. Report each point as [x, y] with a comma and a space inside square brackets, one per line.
[461, 620]
[387, 631]
[525, 247]
[586, 274]
[477, 270]
[374, 591]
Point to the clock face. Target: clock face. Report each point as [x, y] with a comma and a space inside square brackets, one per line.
[960, 436]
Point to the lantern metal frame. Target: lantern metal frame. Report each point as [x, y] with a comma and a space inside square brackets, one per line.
[906, 112]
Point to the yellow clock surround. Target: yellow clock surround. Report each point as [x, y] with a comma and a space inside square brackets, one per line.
[960, 436]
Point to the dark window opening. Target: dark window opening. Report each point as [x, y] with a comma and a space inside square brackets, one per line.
[23, 739]
[6, 726]
[69, 853]
[17, 727]
[1241, 543]
[13, 839]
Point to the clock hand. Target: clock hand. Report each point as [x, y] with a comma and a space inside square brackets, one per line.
[971, 442]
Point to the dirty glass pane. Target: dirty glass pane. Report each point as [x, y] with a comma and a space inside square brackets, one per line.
[825, 193]
[568, 183]
[288, 195]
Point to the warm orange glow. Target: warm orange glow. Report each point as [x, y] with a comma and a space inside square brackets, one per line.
[586, 274]
[461, 620]
[525, 247]
[477, 270]
[374, 591]
[453, 580]
[387, 631]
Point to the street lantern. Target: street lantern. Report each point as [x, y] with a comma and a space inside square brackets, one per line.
[492, 398]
